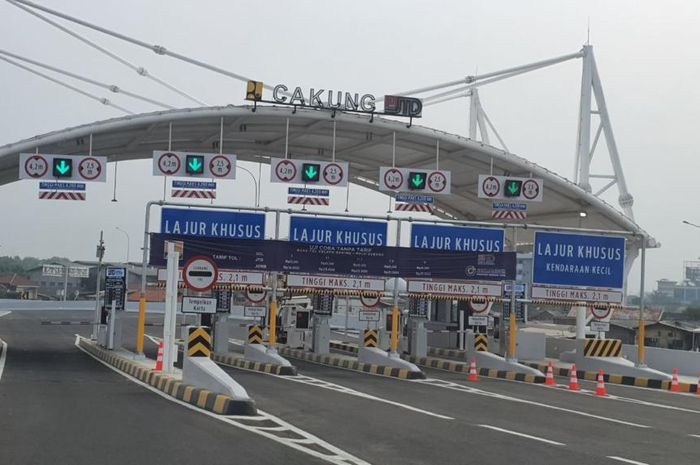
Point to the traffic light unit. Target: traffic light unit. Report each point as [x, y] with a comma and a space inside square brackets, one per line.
[194, 164]
[310, 172]
[513, 188]
[62, 167]
[416, 180]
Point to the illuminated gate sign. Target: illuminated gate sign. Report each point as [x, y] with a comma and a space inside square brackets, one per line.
[322, 98]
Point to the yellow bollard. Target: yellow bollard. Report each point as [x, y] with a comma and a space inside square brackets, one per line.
[395, 330]
[141, 324]
[513, 335]
[641, 357]
[272, 344]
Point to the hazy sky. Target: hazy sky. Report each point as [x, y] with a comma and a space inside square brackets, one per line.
[645, 50]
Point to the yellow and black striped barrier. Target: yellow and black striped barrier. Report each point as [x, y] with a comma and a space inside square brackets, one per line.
[255, 334]
[238, 361]
[481, 343]
[602, 348]
[371, 339]
[199, 342]
[461, 367]
[201, 398]
[349, 364]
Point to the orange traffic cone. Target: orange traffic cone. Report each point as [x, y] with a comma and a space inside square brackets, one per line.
[675, 387]
[600, 387]
[573, 380]
[549, 380]
[697, 386]
[473, 375]
[159, 358]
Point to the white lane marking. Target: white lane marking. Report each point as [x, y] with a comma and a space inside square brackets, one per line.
[308, 380]
[3, 356]
[338, 457]
[651, 404]
[695, 435]
[628, 399]
[470, 390]
[4, 313]
[622, 459]
[522, 435]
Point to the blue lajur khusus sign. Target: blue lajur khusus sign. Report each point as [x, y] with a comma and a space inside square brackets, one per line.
[327, 231]
[457, 238]
[579, 260]
[212, 223]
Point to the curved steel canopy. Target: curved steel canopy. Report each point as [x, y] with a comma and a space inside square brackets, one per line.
[366, 144]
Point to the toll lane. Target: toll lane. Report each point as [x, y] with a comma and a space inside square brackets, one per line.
[58, 405]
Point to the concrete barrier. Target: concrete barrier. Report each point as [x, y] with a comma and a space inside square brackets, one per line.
[202, 398]
[688, 363]
[376, 356]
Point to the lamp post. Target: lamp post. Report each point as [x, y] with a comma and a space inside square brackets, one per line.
[128, 241]
[255, 183]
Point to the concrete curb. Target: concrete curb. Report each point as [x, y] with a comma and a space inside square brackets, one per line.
[206, 400]
[352, 365]
[459, 367]
[236, 361]
[454, 366]
[344, 347]
[618, 379]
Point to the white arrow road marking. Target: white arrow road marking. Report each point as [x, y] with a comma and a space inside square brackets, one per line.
[522, 435]
[621, 459]
[470, 390]
[327, 452]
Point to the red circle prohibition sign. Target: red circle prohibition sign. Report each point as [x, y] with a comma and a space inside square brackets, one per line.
[32, 158]
[98, 170]
[211, 166]
[169, 154]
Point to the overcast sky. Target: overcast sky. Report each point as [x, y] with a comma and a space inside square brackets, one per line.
[645, 50]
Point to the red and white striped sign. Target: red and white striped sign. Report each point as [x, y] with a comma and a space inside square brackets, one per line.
[413, 207]
[51, 195]
[508, 215]
[300, 200]
[190, 194]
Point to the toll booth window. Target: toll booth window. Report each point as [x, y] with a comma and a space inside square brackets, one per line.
[302, 320]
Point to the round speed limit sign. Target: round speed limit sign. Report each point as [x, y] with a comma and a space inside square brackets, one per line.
[333, 173]
[601, 311]
[393, 179]
[220, 166]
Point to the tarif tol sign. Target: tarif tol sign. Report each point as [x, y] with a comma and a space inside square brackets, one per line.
[579, 260]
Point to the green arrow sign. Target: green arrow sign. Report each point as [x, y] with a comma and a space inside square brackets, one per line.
[63, 167]
[195, 164]
[513, 188]
[311, 172]
[417, 181]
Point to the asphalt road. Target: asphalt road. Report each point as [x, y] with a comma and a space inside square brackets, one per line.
[59, 405]
[443, 420]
